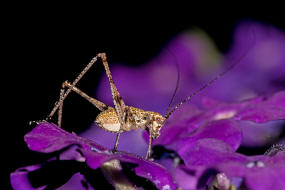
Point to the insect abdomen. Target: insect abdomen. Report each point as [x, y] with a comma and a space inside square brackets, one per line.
[108, 120]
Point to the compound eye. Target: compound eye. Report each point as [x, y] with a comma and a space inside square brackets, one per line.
[158, 119]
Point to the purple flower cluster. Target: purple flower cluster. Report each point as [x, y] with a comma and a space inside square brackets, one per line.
[48, 137]
[200, 142]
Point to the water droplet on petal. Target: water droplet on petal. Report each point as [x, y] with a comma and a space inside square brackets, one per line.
[250, 164]
[95, 149]
[260, 164]
[156, 182]
[224, 115]
[166, 187]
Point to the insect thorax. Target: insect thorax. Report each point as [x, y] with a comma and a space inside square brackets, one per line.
[135, 118]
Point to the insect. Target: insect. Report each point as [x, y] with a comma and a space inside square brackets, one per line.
[122, 118]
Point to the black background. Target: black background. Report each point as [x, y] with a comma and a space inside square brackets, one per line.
[47, 45]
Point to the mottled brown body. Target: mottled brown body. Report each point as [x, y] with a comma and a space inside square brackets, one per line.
[135, 118]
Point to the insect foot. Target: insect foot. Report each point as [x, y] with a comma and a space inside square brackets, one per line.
[37, 122]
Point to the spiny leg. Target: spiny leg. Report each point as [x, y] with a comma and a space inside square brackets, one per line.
[59, 119]
[57, 105]
[117, 99]
[98, 104]
[117, 141]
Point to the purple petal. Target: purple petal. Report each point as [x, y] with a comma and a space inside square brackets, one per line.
[188, 177]
[157, 174]
[19, 179]
[75, 182]
[278, 99]
[147, 169]
[48, 137]
[176, 125]
[225, 130]
[259, 172]
[169, 134]
[258, 109]
[207, 151]
[260, 134]
[265, 179]
[269, 109]
[270, 176]
[72, 153]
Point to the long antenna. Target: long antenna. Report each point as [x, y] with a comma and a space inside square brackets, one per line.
[210, 82]
[176, 86]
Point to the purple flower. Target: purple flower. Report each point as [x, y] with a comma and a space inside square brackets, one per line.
[223, 120]
[255, 172]
[48, 138]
